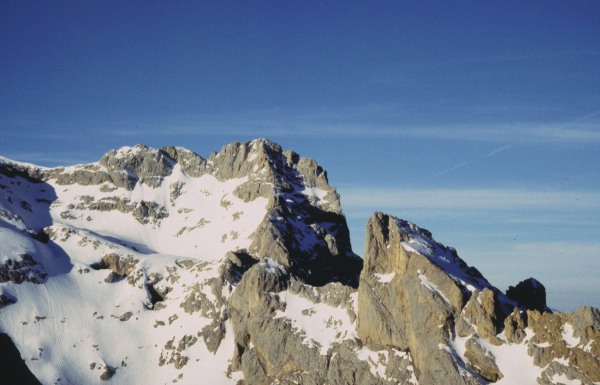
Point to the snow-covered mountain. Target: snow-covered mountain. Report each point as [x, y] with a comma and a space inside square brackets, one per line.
[160, 266]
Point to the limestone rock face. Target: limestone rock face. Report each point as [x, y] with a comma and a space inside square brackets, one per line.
[481, 361]
[419, 296]
[304, 216]
[481, 314]
[566, 344]
[303, 219]
[514, 327]
[160, 266]
[406, 300]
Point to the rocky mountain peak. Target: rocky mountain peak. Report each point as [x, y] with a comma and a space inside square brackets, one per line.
[263, 162]
[418, 295]
[388, 235]
[300, 215]
[160, 266]
[139, 163]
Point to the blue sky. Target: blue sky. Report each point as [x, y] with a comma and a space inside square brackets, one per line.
[477, 120]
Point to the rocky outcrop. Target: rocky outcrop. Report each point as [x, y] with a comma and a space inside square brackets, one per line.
[481, 361]
[272, 346]
[418, 296]
[24, 268]
[304, 217]
[514, 327]
[407, 301]
[481, 314]
[566, 343]
[529, 293]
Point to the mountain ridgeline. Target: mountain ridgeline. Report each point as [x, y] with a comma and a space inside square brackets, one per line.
[159, 266]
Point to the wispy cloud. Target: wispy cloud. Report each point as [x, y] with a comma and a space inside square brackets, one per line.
[370, 121]
[357, 198]
[37, 135]
[50, 159]
[460, 165]
[421, 72]
[514, 133]
[564, 266]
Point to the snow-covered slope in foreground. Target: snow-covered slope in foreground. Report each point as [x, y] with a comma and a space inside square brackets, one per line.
[160, 266]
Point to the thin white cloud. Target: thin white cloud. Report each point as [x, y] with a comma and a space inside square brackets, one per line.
[563, 266]
[461, 165]
[369, 121]
[37, 135]
[291, 128]
[575, 250]
[357, 198]
[541, 253]
[49, 159]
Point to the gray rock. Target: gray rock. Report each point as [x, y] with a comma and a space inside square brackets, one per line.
[191, 163]
[108, 373]
[548, 344]
[235, 265]
[118, 264]
[481, 315]
[587, 316]
[514, 327]
[143, 164]
[481, 361]
[6, 300]
[22, 268]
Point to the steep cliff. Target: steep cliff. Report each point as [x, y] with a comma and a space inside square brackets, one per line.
[418, 296]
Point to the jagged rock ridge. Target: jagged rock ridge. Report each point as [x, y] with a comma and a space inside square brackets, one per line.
[419, 296]
[159, 266]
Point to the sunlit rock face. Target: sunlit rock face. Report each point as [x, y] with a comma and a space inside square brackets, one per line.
[161, 266]
[418, 296]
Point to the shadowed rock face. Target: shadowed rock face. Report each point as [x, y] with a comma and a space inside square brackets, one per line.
[529, 293]
[13, 370]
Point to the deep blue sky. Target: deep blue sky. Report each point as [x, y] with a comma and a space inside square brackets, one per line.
[477, 120]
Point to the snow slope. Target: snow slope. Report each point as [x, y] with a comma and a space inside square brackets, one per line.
[76, 327]
[115, 271]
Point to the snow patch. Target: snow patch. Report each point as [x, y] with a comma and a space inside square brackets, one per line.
[568, 334]
[205, 228]
[432, 287]
[384, 278]
[563, 379]
[319, 324]
[315, 192]
[273, 267]
[377, 361]
[514, 362]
